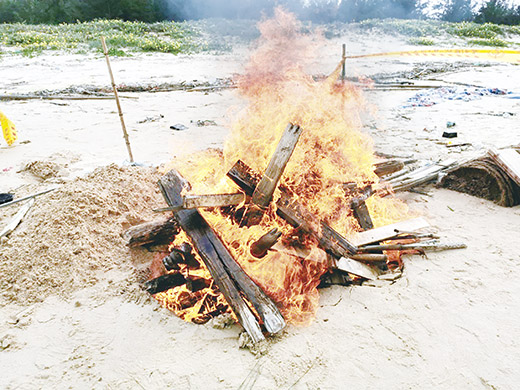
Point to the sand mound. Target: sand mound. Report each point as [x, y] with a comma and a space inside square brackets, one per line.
[71, 237]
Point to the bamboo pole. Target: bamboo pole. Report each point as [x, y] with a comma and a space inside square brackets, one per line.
[125, 134]
[343, 60]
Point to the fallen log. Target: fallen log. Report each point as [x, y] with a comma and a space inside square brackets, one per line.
[160, 231]
[228, 275]
[294, 213]
[264, 190]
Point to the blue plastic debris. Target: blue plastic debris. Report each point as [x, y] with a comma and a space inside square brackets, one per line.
[431, 97]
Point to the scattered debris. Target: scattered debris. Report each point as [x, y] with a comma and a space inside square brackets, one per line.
[154, 118]
[448, 134]
[6, 197]
[431, 97]
[207, 122]
[178, 127]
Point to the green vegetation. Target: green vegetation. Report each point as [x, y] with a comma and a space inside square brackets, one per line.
[496, 42]
[421, 31]
[423, 41]
[122, 37]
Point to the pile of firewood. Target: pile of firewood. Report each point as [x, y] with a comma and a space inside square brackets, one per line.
[368, 257]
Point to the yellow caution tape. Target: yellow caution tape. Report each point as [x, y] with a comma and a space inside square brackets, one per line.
[512, 56]
[8, 129]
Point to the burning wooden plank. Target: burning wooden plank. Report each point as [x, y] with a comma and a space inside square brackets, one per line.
[260, 247]
[228, 275]
[360, 210]
[295, 214]
[160, 231]
[207, 201]
[264, 190]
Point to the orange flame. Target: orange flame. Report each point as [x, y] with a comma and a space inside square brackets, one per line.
[331, 151]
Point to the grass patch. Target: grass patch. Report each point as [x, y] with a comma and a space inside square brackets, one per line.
[422, 41]
[474, 30]
[408, 27]
[122, 37]
[496, 42]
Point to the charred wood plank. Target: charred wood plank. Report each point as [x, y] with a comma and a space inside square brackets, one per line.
[295, 214]
[159, 231]
[361, 213]
[264, 190]
[164, 283]
[228, 275]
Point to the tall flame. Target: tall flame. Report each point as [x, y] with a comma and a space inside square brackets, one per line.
[331, 151]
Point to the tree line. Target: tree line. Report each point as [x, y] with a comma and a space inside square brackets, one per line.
[59, 11]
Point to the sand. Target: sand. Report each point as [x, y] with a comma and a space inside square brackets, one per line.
[449, 322]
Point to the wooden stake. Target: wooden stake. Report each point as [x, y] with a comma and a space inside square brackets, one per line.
[125, 134]
[343, 59]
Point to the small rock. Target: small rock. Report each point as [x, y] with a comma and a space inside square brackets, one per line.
[178, 127]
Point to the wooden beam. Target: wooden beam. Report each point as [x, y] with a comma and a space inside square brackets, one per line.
[295, 214]
[361, 213]
[228, 275]
[207, 201]
[388, 167]
[264, 190]
[356, 268]
[389, 231]
[160, 231]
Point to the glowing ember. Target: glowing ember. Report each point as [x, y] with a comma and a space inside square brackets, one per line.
[331, 151]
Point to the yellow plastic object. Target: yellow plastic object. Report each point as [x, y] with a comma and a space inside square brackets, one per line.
[512, 56]
[8, 129]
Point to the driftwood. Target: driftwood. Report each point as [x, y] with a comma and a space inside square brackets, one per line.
[295, 214]
[207, 201]
[163, 283]
[264, 190]
[260, 247]
[433, 245]
[160, 231]
[389, 231]
[228, 275]
[15, 221]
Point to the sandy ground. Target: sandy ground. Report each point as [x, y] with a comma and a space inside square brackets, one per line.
[450, 322]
